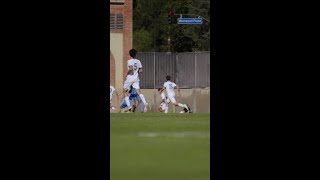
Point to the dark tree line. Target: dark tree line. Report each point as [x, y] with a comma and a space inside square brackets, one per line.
[151, 30]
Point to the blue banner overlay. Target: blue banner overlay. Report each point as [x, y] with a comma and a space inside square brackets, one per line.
[189, 21]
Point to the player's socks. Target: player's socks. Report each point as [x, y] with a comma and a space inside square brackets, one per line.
[166, 109]
[141, 107]
[144, 102]
[183, 106]
[128, 102]
[143, 99]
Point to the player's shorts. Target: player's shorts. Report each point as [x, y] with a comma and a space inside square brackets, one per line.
[172, 98]
[135, 83]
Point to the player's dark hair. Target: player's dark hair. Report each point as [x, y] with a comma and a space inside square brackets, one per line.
[133, 53]
[168, 78]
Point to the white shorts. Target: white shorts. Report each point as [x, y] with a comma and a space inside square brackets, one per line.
[135, 83]
[171, 98]
[128, 84]
[167, 100]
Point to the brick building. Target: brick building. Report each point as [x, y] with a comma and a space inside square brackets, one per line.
[120, 39]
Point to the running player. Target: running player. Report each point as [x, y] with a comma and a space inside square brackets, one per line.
[112, 91]
[132, 78]
[169, 87]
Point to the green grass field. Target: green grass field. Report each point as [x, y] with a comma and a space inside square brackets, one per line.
[155, 146]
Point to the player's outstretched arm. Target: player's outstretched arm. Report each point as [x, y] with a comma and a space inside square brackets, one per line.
[140, 70]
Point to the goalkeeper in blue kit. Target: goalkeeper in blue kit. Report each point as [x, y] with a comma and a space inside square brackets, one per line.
[133, 96]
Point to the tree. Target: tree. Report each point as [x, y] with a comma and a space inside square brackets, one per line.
[150, 20]
[142, 40]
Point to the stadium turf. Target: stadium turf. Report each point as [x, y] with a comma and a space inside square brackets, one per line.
[155, 146]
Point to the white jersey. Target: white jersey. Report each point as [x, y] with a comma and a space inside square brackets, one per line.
[136, 65]
[169, 86]
[112, 90]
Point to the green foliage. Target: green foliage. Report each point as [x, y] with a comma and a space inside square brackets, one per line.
[151, 16]
[142, 40]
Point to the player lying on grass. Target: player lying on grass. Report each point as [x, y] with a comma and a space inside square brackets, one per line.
[133, 96]
[169, 87]
[112, 91]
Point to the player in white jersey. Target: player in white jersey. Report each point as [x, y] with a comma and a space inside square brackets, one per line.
[164, 105]
[132, 78]
[169, 87]
[113, 90]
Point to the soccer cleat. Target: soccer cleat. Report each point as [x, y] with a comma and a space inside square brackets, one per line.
[189, 109]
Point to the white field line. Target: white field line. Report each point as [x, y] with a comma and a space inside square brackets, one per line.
[175, 134]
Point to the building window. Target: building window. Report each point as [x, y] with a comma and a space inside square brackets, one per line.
[119, 21]
[116, 22]
[112, 21]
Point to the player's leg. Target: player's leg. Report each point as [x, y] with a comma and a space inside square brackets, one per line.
[126, 88]
[141, 106]
[137, 87]
[111, 107]
[133, 107]
[173, 100]
[140, 103]
[122, 106]
[167, 105]
[110, 102]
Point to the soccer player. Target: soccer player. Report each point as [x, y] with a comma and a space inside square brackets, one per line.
[169, 87]
[164, 105]
[132, 78]
[113, 90]
[133, 95]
